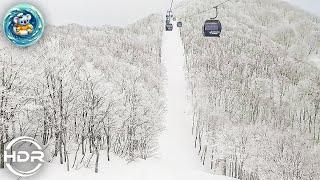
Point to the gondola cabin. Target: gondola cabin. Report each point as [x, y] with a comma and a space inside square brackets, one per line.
[179, 24]
[212, 28]
[169, 27]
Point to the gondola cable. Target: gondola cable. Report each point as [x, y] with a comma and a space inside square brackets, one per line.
[171, 5]
[201, 12]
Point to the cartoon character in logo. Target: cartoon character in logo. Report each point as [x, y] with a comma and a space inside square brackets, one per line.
[22, 26]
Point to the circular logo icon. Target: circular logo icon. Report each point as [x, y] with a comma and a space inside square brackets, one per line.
[23, 156]
[23, 25]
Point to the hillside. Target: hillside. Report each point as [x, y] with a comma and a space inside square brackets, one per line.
[85, 93]
[100, 92]
[255, 91]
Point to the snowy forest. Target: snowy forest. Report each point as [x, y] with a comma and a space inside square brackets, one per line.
[85, 91]
[255, 91]
[91, 95]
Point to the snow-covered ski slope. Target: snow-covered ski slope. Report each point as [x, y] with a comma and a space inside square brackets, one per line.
[175, 142]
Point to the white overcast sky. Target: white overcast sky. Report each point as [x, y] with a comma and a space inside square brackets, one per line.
[313, 6]
[111, 12]
[93, 12]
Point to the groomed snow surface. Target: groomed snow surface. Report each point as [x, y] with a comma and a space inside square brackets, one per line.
[176, 159]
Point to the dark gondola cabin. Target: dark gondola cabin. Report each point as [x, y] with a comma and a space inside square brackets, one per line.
[179, 24]
[212, 28]
[169, 27]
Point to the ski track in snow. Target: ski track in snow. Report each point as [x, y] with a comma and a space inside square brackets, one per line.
[177, 159]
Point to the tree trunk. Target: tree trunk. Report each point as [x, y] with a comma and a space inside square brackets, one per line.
[204, 155]
[212, 156]
[56, 144]
[76, 155]
[97, 161]
[82, 145]
[221, 167]
[45, 131]
[108, 147]
[60, 149]
[1, 153]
